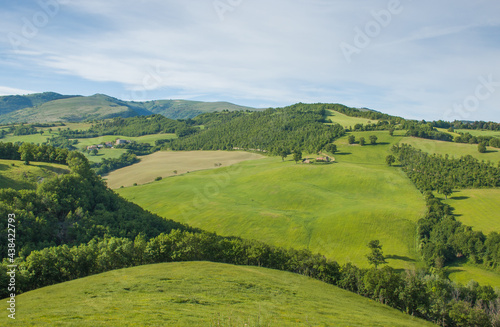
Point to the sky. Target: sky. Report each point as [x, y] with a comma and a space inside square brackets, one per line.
[416, 59]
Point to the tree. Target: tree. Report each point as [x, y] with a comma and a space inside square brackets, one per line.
[376, 257]
[391, 132]
[481, 147]
[351, 139]
[175, 172]
[283, 153]
[297, 156]
[390, 159]
[332, 148]
[27, 151]
[361, 141]
[445, 190]
[94, 152]
[373, 139]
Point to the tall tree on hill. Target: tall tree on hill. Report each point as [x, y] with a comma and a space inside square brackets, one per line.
[376, 256]
[361, 141]
[481, 148]
[283, 153]
[27, 151]
[373, 139]
[351, 139]
[390, 159]
[297, 156]
[332, 148]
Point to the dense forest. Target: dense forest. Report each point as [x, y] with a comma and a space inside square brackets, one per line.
[299, 127]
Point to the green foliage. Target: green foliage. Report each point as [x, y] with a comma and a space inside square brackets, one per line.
[390, 159]
[351, 139]
[297, 156]
[27, 151]
[481, 148]
[361, 141]
[298, 127]
[332, 148]
[373, 139]
[376, 256]
[107, 165]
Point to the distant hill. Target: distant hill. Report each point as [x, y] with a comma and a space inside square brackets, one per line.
[51, 107]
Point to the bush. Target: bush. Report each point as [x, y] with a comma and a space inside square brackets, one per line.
[159, 178]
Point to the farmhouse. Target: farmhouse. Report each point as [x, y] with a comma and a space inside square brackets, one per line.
[91, 147]
[120, 141]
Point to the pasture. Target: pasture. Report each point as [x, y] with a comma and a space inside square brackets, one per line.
[347, 121]
[463, 273]
[169, 163]
[200, 294]
[479, 208]
[21, 176]
[333, 209]
[452, 149]
[475, 132]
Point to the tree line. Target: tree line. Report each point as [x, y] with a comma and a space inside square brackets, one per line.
[299, 127]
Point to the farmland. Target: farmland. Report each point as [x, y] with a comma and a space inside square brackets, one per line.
[333, 209]
[346, 121]
[164, 164]
[201, 294]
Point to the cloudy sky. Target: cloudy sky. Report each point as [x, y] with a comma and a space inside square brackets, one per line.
[417, 59]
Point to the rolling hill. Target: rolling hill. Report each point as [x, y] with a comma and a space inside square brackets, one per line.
[333, 209]
[52, 107]
[200, 294]
[14, 174]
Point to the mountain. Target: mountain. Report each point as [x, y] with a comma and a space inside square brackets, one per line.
[52, 107]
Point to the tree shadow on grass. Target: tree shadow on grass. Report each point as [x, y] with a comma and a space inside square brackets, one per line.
[399, 257]
[342, 153]
[459, 197]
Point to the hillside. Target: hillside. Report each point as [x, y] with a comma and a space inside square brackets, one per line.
[201, 294]
[51, 107]
[334, 209]
[14, 174]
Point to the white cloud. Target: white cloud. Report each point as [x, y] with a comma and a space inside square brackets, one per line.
[5, 90]
[428, 57]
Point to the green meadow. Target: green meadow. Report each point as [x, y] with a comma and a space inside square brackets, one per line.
[347, 121]
[479, 208]
[463, 273]
[200, 294]
[334, 209]
[475, 132]
[15, 174]
[452, 149]
[111, 138]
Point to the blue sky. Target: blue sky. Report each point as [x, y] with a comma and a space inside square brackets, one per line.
[417, 59]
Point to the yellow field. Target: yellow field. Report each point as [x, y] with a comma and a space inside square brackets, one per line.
[165, 163]
[347, 121]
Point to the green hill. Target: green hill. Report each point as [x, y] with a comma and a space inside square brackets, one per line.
[333, 209]
[15, 174]
[200, 294]
[51, 107]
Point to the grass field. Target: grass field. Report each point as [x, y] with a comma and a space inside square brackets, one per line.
[140, 139]
[479, 132]
[479, 208]
[165, 163]
[21, 176]
[453, 149]
[347, 121]
[332, 209]
[463, 273]
[105, 154]
[200, 294]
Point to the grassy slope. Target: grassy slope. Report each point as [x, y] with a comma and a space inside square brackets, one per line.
[111, 138]
[479, 132]
[479, 208]
[347, 121]
[332, 209]
[21, 176]
[200, 294]
[453, 149]
[164, 163]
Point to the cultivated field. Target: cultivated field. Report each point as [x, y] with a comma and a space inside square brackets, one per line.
[333, 209]
[453, 149]
[200, 294]
[21, 176]
[164, 163]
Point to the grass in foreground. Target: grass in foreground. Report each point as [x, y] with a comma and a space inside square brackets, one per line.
[200, 294]
[333, 209]
[21, 176]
